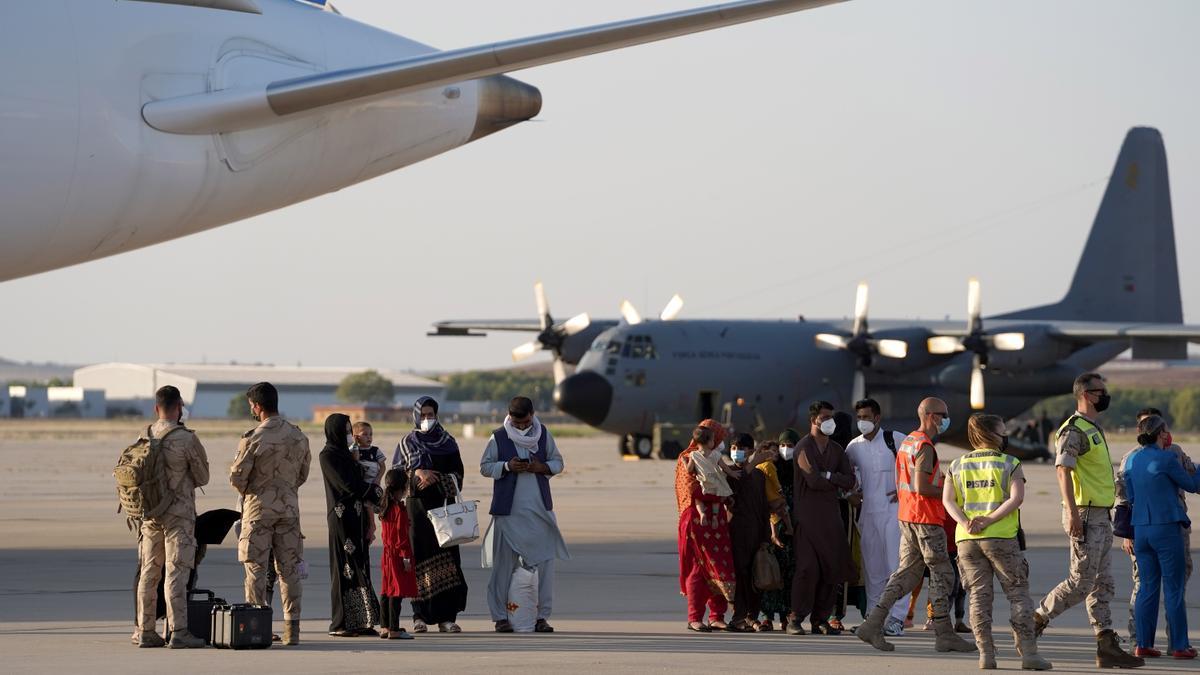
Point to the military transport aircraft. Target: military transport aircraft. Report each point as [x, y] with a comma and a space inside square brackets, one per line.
[126, 123]
[633, 375]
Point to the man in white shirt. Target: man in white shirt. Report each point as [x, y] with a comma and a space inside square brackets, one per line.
[873, 456]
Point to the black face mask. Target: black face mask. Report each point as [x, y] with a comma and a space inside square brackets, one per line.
[1004, 444]
[1102, 402]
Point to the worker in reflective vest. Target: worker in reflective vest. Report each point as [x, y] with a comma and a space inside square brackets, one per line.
[922, 538]
[1085, 481]
[983, 494]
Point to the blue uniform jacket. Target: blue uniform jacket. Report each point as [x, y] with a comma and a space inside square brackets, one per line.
[1153, 477]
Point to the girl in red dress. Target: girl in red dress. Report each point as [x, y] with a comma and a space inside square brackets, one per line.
[399, 580]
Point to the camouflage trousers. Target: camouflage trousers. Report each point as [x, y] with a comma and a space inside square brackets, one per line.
[170, 541]
[1090, 574]
[981, 560]
[1187, 561]
[921, 546]
[260, 540]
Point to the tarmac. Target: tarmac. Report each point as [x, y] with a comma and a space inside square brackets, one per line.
[67, 563]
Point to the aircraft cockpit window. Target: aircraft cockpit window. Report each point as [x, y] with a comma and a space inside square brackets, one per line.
[639, 347]
[614, 347]
[599, 346]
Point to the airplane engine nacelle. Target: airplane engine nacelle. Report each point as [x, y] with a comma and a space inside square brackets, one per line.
[1041, 351]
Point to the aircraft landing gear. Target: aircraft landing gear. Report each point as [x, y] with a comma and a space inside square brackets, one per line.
[639, 445]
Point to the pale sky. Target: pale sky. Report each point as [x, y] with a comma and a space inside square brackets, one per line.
[761, 171]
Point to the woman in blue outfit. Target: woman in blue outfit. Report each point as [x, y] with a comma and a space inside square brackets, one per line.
[1153, 477]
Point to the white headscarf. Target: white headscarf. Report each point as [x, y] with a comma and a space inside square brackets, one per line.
[527, 439]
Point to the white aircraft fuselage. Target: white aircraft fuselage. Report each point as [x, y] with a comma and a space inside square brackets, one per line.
[125, 123]
[83, 176]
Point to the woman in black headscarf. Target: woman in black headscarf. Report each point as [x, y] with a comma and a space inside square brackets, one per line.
[430, 456]
[355, 606]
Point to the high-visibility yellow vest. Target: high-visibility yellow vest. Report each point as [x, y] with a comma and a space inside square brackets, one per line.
[982, 482]
[1093, 475]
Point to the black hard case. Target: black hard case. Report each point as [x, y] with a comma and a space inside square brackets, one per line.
[241, 626]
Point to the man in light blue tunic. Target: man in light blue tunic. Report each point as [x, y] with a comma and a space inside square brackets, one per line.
[521, 456]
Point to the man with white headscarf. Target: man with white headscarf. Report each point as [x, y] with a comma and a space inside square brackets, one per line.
[520, 457]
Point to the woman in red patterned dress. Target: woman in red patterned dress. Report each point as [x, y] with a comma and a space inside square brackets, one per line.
[705, 552]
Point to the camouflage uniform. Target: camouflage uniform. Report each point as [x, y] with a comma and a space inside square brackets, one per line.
[170, 539]
[922, 546]
[271, 464]
[1187, 531]
[1090, 569]
[980, 560]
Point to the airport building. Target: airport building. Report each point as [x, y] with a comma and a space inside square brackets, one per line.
[208, 389]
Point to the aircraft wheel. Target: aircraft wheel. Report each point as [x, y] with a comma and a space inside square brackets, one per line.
[637, 444]
[623, 446]
[670, 450]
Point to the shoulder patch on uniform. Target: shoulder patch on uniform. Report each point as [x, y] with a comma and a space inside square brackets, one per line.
[250, 433]
[1096, 439]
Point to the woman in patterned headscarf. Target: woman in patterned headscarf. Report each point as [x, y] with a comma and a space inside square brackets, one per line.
[430, 456]
[706, 574]
[355, 607]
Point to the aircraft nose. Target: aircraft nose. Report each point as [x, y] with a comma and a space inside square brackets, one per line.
[503, 102]
[585, 395]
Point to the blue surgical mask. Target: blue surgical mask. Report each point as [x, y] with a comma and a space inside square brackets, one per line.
[944, 426]
[738, 455]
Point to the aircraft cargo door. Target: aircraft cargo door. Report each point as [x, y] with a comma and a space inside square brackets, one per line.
[706, 407]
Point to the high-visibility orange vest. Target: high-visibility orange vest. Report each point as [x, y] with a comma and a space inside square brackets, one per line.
[914, 507]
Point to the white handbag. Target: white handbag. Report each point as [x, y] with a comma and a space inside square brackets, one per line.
[456, 523]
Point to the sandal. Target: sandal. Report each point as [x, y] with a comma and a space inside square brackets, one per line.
[766, 627]
[739, 627]
[448, 627]
[419, 626]
[400, 634]
[698, 627]
[718, 625]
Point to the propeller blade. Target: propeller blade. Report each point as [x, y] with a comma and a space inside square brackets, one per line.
[543, 307]
[577, 324]
[859, 390]
[973, 304]
[526, 350]
[860, 310]
[944, 344]
[1008, 342]
[672, 309]
[831, 341]
[892, 349]
[560, 371]
[630, 313]
[977, 398]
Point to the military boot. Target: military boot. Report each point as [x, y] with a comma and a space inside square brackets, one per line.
[871, 631]
[182, 639]
[150, 639]
[1030, 660]
[987, 659]
[947, 640]
[291, 632]
[1039, 624]
[1110, 655]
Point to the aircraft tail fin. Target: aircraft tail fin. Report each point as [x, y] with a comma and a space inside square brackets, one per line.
[1128, 271]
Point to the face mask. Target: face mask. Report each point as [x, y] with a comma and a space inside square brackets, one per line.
[738, 456]
[944, 426]
[865, 427]
[1004, 444]
[183, 414]
[828, 426]
[427, 424]
[1169, 442]
[787, 452]
[1102, 402]
[349, 440]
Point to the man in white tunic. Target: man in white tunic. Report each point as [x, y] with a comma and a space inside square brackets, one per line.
[873, 456]
[520, 457]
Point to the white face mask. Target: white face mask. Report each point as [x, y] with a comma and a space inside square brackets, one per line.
[828, 426]
[184, 415]
[427, 424]
[349, 440]
[787, 452]
[865, 427]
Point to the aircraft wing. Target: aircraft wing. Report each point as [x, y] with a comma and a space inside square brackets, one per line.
[245, 108]
[482, 327]
[1110, 331]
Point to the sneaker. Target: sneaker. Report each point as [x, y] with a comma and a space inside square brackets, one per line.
[448, 627]
[1189, 653]
[503, 626]
[1146, 652]
[894, 628]
[543, 626]
[399, 634]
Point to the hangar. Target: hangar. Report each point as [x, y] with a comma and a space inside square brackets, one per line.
[208, 389]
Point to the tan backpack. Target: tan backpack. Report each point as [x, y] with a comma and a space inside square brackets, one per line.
[141, 474]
